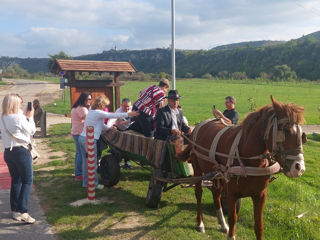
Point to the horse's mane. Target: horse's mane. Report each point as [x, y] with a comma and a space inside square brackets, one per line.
[292, 112]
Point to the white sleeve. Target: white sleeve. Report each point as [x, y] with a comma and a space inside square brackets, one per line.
[106, 127]
[111, 122]
[103, 114]
[28, 127]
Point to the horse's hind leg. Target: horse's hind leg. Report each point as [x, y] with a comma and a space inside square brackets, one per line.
[232, 215]
[216, 194]
[198, 192]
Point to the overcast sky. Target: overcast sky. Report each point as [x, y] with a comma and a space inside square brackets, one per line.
[36, 28]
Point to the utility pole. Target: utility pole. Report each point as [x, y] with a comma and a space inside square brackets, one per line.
[173, 47]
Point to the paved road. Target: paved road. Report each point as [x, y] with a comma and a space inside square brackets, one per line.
[9, 228]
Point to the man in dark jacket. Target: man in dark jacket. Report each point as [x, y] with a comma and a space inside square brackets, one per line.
[169, 120]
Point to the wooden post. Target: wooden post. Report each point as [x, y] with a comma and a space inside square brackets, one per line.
[117, 90]
[71, 81]
[43, 124]
[91, 172]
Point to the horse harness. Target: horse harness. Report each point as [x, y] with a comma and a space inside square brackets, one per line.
[242, 170]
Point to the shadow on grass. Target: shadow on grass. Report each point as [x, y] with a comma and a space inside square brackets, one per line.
[63, 189]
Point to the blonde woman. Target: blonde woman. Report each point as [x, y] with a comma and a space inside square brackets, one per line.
[95, 118]
[16, 129]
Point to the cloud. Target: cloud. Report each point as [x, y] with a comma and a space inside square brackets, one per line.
[43, 41]
[90, 26]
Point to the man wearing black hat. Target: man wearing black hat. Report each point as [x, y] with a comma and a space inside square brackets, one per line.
[169, 120]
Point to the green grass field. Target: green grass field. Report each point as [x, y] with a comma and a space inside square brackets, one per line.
[129, 218]
[199, 95]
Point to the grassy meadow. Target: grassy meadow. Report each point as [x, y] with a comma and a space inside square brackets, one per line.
[199, 95]
[128, 217]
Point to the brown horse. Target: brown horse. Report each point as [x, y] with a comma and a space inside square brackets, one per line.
[244, 157]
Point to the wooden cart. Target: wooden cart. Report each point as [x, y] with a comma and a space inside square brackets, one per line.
[167, 171]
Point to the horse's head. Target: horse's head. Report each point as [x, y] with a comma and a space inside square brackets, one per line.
[284, 137]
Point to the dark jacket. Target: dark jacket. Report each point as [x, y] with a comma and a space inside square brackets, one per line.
[164, 123]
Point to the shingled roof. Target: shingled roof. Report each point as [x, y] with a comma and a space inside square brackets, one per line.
[93, 66]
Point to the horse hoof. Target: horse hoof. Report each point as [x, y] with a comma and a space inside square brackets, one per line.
[225, 230]
[231, 238]
[200, 229]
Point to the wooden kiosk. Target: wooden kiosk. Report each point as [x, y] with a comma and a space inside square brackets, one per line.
[109, 88]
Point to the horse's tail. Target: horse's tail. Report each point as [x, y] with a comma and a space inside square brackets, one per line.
[183, 155]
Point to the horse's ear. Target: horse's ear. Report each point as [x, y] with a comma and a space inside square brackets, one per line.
[276, 106]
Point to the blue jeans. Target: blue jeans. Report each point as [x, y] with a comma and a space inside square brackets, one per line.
[19, 162]
[77, 158]
[82, 143]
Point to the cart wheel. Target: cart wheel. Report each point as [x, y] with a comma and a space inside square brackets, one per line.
[225, 206]
[109, 170]
[154, 193]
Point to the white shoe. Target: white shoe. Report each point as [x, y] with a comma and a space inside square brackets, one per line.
[16, 216]
[100, 187]
[27, 218]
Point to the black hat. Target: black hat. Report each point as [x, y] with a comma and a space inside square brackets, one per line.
[173, 94]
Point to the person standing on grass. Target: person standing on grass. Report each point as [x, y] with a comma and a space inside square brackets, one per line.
[150, 99]
[79, 112]
[95, 118]
[230, 115]
[16, 129]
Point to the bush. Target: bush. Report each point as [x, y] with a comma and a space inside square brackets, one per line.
[283, 72]
[223, 74]
[188, 75]
[15, 71]
[207, 76]
[239, 75]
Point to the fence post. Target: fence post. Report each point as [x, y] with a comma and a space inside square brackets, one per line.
[91, 176]
[43, 124]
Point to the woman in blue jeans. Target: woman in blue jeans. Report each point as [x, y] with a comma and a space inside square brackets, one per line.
[16, 129]
[79, 112]
[95, 118]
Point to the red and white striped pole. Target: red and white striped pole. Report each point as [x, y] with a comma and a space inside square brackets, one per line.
[91, 176]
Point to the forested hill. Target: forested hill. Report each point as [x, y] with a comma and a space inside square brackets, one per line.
[301, 55]
[262, 43]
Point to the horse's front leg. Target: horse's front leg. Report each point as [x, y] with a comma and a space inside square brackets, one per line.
[216, 194]
[232, 215]
[258, 204]
[198, 192]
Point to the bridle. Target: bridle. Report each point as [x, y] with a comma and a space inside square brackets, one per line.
[278, 138]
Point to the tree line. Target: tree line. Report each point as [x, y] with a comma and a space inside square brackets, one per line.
[294, 60]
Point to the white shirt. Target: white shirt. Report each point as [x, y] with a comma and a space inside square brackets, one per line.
[19, 127]
[116, 122]
[174, 114]
[95, 118]
[185, 120]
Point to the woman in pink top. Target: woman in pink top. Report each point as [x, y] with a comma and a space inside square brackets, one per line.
[79, 112]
